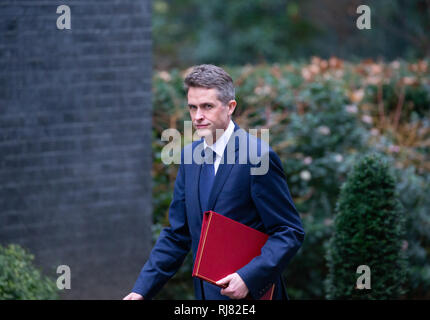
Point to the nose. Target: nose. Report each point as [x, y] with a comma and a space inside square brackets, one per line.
[199, 114]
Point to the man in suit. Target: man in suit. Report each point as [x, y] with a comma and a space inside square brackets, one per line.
[226, 184]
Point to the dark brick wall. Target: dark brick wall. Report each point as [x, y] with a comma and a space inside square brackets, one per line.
[75, 139]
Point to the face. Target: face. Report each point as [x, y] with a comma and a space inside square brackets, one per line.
[207, 112]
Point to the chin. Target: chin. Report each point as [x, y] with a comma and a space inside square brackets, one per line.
[204, 133]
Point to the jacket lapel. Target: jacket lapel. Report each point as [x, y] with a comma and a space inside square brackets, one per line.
[224, 170]
[220, 179]
[195, 176]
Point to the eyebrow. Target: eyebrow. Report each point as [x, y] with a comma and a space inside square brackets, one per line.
[201, 104]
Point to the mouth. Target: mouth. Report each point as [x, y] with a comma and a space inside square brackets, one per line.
[201, 126]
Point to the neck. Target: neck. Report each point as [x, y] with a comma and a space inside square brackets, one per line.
[214, 137]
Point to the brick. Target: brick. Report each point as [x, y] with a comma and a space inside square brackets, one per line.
[75, 135]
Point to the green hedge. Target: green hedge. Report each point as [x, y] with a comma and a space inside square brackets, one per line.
[322, 115]
[20, 279]
[369, 230]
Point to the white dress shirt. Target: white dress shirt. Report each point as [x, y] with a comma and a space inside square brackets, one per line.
[220, 144]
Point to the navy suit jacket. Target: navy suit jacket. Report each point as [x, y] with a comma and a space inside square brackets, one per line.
[262, 202]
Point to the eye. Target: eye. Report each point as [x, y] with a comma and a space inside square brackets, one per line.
[208, 106]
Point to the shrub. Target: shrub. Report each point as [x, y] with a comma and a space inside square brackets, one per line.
[369, 230]
[20, 279]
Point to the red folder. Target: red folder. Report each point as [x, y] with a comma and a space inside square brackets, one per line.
[225, 246]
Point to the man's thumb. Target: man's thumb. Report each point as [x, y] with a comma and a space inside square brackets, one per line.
[224, 280]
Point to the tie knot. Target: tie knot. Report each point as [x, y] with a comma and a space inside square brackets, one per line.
[209, 155]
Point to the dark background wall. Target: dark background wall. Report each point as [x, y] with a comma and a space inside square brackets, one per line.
[75, 137]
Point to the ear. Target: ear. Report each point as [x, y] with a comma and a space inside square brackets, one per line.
[231, 106]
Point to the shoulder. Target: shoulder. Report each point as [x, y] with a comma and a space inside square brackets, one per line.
[256, 148]
[260, 156]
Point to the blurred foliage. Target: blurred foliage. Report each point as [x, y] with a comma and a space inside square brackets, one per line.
[322, 114]
[254, 31]
[369, 233]
[20, 279]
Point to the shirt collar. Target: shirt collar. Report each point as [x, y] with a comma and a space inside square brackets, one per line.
[221, 143]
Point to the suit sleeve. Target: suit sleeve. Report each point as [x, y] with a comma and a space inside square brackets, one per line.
[171, 247]
[281, 220]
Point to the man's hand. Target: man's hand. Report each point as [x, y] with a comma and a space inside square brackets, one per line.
[236, 288]
[133, 296]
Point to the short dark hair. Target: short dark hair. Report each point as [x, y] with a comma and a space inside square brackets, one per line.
[210, 76]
